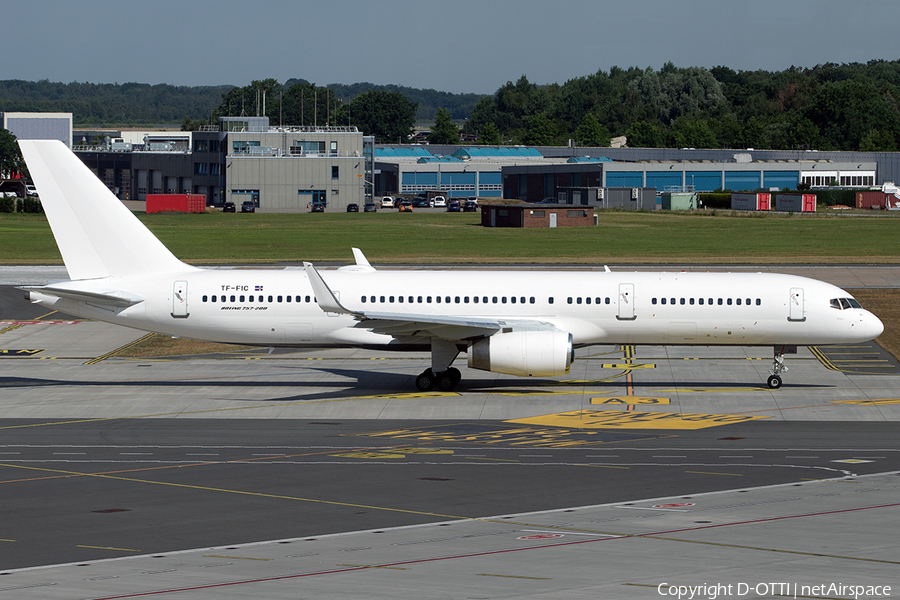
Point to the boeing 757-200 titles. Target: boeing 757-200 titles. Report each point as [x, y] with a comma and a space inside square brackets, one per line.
[505, 321]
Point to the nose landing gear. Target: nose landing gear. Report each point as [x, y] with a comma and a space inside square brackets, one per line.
[774, 381]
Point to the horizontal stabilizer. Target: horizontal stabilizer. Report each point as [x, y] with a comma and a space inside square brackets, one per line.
[113, 299]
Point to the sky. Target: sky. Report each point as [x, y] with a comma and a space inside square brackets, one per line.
[458, 46]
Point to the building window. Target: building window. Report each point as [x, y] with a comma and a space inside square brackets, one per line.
[200, 169]
[335, 171]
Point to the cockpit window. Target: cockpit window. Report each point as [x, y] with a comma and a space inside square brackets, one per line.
[844, 303]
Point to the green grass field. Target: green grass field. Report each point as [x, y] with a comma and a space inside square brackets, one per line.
[391, 237]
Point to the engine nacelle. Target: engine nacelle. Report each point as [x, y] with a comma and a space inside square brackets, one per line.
[524, 353]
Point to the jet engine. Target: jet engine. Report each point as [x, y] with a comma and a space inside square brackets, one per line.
[524, 353]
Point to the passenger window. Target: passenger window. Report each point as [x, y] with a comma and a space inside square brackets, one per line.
[662, 300]
[456, 300]
[484, 300]
[758, 302]
[720, 302]
[653, 301]
[213, 298]
[578, 300]
[428, 299]
[550, 300]
[205, 298]
[400, 299]
[232, 298]
[701, 301]
[729, 302]
[475, 298]
[447, 299]
[381, 299]
[691, 301]
[587, 300]
[242, 298]
[569, 300]
[607, 300]
[747, 302]
[437, 299]
[419, 299]
[494, 299]
[503, 300]
[279, 298]
[250, 299]
[297, 299]
[391, 299]
[223, 298]
[362, 299]
[466, 300]
[307, 298]
[287, 298]
[531, 300]
[682, 301]
[673, 300]
[738, 301]
[513, 299]
[522, 300]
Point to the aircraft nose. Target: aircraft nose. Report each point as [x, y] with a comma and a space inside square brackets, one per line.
[874, 326]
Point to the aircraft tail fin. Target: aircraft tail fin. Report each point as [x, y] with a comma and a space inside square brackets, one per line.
[96, 234]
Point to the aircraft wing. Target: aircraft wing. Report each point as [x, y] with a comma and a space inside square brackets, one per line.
[418, 325]
[113, 299]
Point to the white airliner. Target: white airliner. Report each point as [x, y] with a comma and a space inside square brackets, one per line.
[512, 322]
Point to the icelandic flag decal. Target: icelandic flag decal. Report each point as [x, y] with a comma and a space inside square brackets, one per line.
[259, 288]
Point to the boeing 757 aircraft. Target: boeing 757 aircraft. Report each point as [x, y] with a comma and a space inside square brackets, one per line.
[506, 321]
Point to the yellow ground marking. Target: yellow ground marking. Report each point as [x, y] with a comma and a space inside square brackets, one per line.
[230, 491]
[107, 548]
[252, 407]
[539, 392]
[627, 366]
[23, 352]
[5, 540]
[422, 451]
[711, 473]
[103, 357]
[373, 455]
[615, 419]
[234, 557]
[629, 400]
[853, 461]
[881, 402]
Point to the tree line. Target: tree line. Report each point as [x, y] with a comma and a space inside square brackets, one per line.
[827, 107]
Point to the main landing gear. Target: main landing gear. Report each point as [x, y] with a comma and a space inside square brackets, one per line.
[774, 381]
[441, 374]
[444, 380]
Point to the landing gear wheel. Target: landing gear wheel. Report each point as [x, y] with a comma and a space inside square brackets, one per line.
[457, 376]
[774, 382]
[425, 381]
[446, 381]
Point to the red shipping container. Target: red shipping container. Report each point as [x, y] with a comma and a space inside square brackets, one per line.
[871, 199]
[194, 203]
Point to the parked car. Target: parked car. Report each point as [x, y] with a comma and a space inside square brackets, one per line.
[439, 202]
[248, 206]
[353, 208]
[387, 202]
[453, 206]
[421, 202]
[228, 207]
[370, 208]
[318, 207]
[406, 206]
[30, 190]
[470, 206]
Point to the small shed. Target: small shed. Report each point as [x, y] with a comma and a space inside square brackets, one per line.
[679, 200]
[536, 215]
